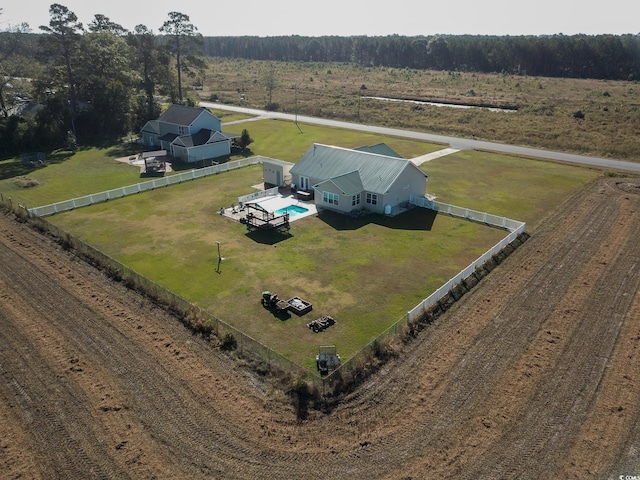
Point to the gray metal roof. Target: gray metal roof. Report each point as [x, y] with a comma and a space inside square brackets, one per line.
[275, 161]
[377, 172]
[348, 184]
[380, 149]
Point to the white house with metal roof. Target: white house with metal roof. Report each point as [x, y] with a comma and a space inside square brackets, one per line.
[343, 179]
[189, 134]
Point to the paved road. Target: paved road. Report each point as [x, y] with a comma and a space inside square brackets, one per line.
[453, 142]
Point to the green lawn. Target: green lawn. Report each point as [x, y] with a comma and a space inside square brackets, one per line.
[67, 175]
[366, 273]
[281, 139]
[513, 187]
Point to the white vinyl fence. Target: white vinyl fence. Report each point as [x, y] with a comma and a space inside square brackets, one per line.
[514, 227]
[120, 192]
[258, 195]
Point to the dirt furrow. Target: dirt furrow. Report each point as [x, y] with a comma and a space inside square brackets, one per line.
[529, 373]
[477, 424]
[62, 430]
[161, 407]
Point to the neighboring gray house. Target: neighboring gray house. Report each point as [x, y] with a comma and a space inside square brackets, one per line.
[344, 180]
[189, 134]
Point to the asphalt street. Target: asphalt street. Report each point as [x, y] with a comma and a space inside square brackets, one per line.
[452, 142]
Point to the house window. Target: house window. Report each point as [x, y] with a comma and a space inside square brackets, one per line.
[304, 183]
[330, 198]
[183, 130]
[372, 198]
[355, 200]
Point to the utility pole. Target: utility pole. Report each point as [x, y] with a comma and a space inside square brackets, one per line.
[296, 101]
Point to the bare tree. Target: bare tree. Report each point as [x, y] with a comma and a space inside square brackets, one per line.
[270, 82]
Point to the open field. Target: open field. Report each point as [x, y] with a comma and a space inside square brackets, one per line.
[544, 118]
[535, 373]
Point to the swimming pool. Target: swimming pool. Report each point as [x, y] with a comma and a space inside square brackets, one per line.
[292, 210]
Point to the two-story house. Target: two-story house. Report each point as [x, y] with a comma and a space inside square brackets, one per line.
[189, 134]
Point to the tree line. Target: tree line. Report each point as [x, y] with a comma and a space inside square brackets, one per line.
[103, 81]
[611, 57]
[89, 83]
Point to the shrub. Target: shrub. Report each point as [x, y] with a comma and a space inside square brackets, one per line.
[229, 342]
[303, 394]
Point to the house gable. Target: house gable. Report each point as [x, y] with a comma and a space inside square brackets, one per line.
[218, 137]
[347, 184]
[151, 127]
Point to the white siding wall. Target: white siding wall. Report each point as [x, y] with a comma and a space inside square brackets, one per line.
[409, 182]
[204, 152]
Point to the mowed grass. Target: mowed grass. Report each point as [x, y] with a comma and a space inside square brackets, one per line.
[67, 175]
[517, 188]
[283, 140]
[367, 273]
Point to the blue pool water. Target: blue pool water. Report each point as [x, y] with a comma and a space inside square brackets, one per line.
[292, 210]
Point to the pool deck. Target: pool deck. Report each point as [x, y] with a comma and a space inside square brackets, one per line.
[273, 203]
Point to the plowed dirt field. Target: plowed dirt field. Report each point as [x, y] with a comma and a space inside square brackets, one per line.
[534, 374]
